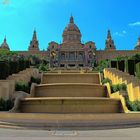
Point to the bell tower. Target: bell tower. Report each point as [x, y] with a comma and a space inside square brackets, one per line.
[34, 45]
[109, 42]
[4, 45]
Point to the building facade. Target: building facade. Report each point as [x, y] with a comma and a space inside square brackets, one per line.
[72, 53]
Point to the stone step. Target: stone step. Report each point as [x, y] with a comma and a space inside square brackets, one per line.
[70, 90]
[47, 121]
[93, 78]
[72, 71]
[70, 105]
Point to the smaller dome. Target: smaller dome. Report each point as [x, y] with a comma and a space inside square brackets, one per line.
[71, 32]
[71, 26]
[4, 45]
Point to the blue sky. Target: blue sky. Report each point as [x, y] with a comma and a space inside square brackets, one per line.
[18, 18]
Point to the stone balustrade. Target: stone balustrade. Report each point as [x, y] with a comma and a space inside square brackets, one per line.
[7, 87]
[119, 77]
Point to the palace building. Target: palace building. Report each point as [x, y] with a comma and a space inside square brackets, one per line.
[72, 53]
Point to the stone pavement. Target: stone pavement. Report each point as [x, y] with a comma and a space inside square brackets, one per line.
[114, 134]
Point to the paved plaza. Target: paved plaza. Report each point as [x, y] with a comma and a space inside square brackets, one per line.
[114, 134]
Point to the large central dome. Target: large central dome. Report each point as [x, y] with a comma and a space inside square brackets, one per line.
[71, 33]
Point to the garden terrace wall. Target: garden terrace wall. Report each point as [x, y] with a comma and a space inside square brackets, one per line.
[118, 77]
[7, 87]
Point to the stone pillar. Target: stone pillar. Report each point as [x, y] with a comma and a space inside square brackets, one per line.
[75, 56]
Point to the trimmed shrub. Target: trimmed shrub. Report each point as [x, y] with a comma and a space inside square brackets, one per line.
[43, 67]
[102, 65]
[6, 105]
[133, 106]
[34, 60]
[4, 69]
[138, 70]
[123, 87]
[2, 102]
[9, 104]
[22, 86]
[27, 64]
[14, 68]
[118, 87]
[115, 88]
[21, 65]
[106, 80]
[35, 80]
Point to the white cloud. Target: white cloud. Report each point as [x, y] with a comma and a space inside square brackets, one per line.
[120, 34]
[135, 24]
[124, 32]
[24, 3]
[13, 7]
[6, 2]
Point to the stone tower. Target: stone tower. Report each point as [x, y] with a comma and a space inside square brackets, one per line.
[4, 45]
[34, 45]
[137, 47]
[109, 42]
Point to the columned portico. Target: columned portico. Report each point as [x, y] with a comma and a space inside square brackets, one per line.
[72, 59]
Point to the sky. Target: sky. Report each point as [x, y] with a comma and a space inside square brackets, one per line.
[19, 18]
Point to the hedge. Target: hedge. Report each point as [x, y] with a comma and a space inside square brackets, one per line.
[6, 105]
[138, 70]
[4, 69]
[10, 67]
[22, 86]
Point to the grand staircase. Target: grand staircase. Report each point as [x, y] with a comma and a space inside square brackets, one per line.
[69, 101]
[70, 93]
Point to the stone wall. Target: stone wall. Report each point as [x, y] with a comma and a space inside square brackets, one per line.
[39, 53]
[110, 54]
[7, 87]
[119, 77]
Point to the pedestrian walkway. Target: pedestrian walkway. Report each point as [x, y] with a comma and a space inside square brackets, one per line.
[115, 134]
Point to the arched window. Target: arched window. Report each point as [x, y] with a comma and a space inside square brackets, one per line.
[72, 56]
[90, 46]
[80, 56]
[62, 56]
